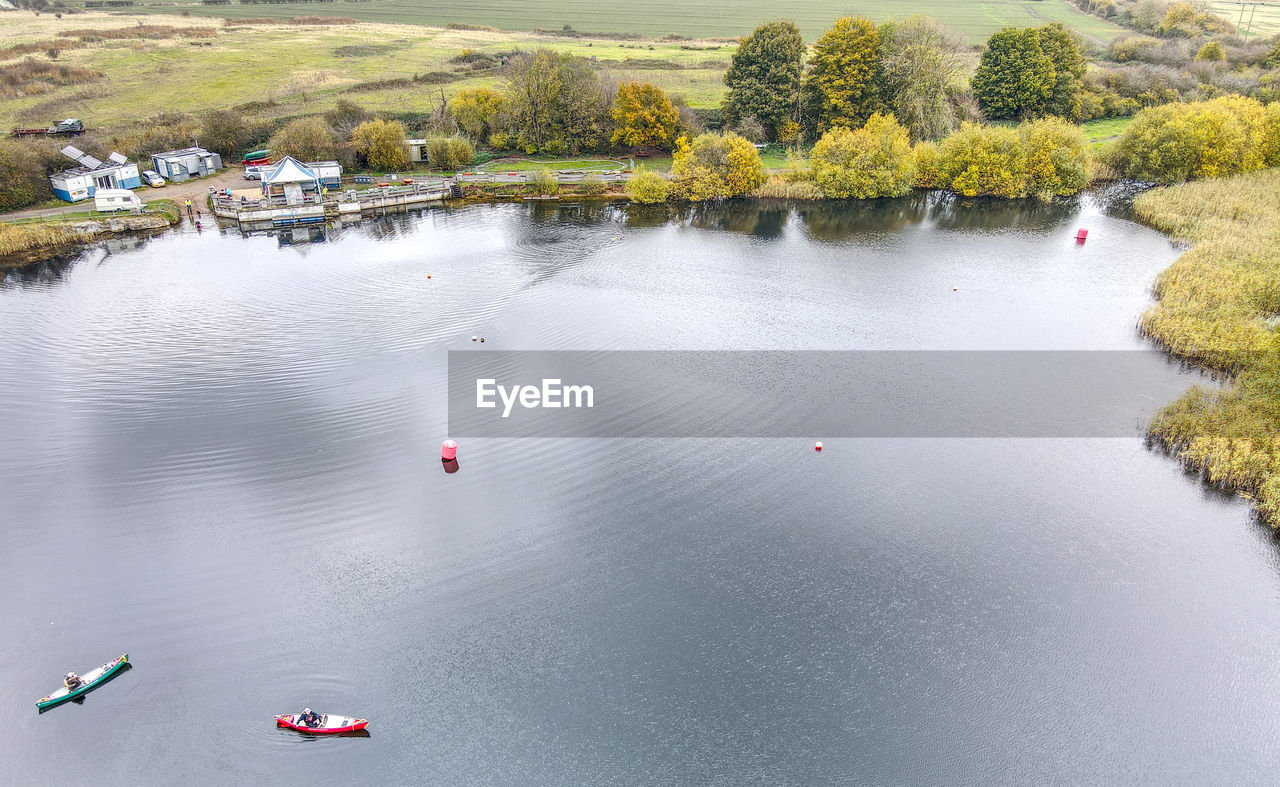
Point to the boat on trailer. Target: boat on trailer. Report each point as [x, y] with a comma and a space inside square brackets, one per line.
[329, 723]
[88, 682]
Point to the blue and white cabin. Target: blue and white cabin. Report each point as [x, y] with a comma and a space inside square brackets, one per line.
[180, 165]
[80, 183]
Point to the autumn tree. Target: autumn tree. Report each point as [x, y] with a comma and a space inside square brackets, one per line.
[449, 153]
[345, 117]
[225, 131]
[381, 144]
[764, 76]
[476, 111]
[1057, 157]
[874, 161]
[306, 139]
[844, 78]
[643, 116]
[922, 65]
[1211, 52]
[983, 161]
[22, 180]
[715, 166]
[647, 187]
[556, 103]
[1171, 143]
[1015, 78]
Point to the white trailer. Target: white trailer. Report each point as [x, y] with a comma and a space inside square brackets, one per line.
[112, 200]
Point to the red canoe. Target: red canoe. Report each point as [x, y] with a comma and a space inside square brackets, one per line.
[329, 723]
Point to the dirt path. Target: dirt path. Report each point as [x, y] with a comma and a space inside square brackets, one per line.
[194, 190]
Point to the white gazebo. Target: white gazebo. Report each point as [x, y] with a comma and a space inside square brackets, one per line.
[290, 179]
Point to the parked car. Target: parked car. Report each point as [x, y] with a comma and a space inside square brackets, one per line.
[152, 179]
[253, 173]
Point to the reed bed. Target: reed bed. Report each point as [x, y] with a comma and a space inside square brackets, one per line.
[782, 187]
[1219, 307]
[20, 238]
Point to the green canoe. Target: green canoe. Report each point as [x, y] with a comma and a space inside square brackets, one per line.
[88, 682]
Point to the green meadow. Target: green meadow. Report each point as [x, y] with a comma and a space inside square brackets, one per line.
[975, 19]
[281, 70]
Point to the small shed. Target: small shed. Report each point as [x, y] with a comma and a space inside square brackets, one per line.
[329, 173]
[180, 165]
[417, 149]
[80, 183]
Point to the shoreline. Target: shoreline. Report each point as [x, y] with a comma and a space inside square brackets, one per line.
[1216, 307]
[27, 244]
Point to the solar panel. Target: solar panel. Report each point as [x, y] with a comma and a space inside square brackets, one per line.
[119, 159]
[90, 161]
[71, 151]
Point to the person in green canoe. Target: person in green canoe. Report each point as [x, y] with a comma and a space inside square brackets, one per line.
[72, 681]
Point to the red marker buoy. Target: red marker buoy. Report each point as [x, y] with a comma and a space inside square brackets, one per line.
[818, 446]
[448, 450]
[1081, 235]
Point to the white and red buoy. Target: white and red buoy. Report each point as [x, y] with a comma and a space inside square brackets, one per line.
[818, 446]
[448, 450]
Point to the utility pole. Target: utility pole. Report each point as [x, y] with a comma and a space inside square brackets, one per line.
[1252, 7]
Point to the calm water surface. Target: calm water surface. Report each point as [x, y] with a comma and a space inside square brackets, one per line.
[220, 454]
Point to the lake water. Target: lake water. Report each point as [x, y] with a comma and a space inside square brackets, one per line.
[221, 454]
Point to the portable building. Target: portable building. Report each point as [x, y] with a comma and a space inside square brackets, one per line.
[81, 183]
[417, 149]
[180, 165]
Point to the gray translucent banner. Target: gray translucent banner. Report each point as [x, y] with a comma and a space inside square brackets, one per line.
[809, 394]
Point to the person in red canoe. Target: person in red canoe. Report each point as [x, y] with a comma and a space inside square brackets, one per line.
[72, 681]
[309, 718]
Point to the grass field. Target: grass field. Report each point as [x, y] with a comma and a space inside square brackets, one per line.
[1264, 19]
[305, 69]
[1100, 132]
[975, 19]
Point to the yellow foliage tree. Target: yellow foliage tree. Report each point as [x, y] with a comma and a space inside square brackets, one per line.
[1202, 139]
[381, 144]
[874, 161]
[715, 166]
[643, 116]
[647, 187]
[985, 161]
[476, 110]
[1057, 157]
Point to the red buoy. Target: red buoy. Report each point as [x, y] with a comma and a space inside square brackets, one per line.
[448, 450]
[818, 446]
[1081, 234]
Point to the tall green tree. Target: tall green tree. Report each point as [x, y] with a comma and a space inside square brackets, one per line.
[1015, 78]
[764, 77]
[1062, 47]
[922, 65]
[843, 83]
